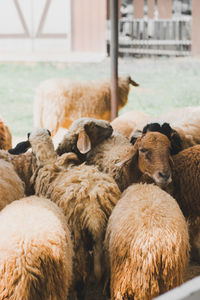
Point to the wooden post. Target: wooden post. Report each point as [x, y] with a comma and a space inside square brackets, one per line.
[195, 27]
[164, 9]
[138, 9]
[114, 57]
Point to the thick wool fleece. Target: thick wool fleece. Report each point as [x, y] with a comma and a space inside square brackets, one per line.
[147, 242]
[35, 251]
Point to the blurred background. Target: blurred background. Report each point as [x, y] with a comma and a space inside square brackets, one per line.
[159, 46]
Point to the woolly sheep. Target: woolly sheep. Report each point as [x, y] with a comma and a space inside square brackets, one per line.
[59, 102]
[185, 188]
[147, 242]
[24, 165]
[11, 187]
[87, 198]
[128, 121]
[125, 162]
[35, 251]
[5, 136]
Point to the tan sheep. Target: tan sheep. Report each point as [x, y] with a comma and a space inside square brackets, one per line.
[125, 162]
[11, 186]
[24, 165]
[87, 198]
[148, 244]
[59, 102]
[5, 136]
[127, 122]
[35, 251]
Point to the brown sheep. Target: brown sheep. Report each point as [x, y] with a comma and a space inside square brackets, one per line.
[147, 242]
[11, 186]
[24, 165]
[87, 198]
[59, 102]
[5, 136]
[128, 121]
[35, 251]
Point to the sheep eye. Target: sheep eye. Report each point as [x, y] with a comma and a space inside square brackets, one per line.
[143, 150]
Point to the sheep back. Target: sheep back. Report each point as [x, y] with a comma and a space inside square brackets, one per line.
[87, 198]
[186, 180]
[11, 186]
[35, 251]
[147, 242]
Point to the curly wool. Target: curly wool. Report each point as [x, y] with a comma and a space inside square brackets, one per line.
[148, 243]
[87, 198]
[35, 251]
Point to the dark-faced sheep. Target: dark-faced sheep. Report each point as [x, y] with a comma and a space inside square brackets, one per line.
[147, 242]
[59, 102]
[87, 198]
[35, 251]
[187, 126]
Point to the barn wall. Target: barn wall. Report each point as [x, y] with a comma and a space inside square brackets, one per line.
[88, 28]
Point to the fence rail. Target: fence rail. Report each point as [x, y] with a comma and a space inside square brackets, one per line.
[155, 36]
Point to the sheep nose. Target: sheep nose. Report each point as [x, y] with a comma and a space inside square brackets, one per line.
[164, 176]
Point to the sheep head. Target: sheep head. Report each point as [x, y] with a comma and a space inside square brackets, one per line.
[123, 90]
[84, 134]
[154, 158]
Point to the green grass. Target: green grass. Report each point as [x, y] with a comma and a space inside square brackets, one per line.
[164, 84]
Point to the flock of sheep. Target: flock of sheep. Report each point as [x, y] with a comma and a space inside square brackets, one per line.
[115, 204]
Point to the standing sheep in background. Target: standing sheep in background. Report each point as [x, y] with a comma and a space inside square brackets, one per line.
[87, 198]
[59, 102]
[5, 136]
[11, 186]
[147, 242]
[35, 251]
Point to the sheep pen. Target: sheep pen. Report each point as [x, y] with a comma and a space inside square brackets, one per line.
[35, 251]
[59, 102]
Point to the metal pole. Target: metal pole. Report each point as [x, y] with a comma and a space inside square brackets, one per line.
[114, 57]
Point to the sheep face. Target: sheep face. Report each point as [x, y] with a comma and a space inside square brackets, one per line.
[154, 157]
[84, 134]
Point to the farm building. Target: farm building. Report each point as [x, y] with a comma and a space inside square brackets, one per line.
[152, 27]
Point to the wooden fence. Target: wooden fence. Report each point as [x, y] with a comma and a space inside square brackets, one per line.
[155, 37]
[154, 29]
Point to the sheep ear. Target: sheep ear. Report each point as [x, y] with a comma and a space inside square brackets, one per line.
[20, 148]
[83, 142]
